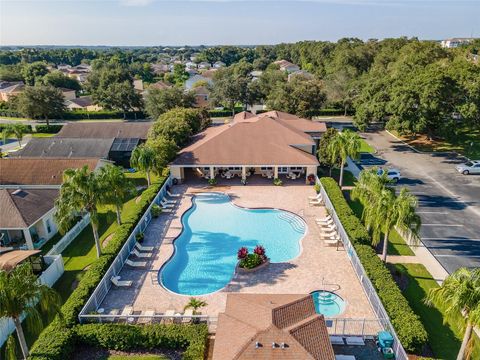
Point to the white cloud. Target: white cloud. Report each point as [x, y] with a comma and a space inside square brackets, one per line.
[136, 2]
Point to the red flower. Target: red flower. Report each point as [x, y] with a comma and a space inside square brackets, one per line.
[242, 253]
[259, 250]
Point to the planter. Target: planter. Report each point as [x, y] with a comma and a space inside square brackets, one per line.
[241, 270]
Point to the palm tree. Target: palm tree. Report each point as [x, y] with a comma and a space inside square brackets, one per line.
[387, 211]
[20, 291]
[143, 158]
[18, 130]
[118, 187]
[459, 294]
[82, 191]
[344, 144]
[195, 304]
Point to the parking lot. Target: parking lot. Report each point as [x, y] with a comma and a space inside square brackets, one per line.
[449, 202]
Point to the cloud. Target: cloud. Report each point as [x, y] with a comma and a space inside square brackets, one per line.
[136, 2]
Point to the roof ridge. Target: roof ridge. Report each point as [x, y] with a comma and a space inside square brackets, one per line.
[13, 203]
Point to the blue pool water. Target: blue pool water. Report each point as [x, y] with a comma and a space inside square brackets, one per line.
[328, 303]
[213, 230]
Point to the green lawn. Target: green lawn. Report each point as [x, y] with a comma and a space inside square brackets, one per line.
[42, 135]
[366, 147]
[444, 340]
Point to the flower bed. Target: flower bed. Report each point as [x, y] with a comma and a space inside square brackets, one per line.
[250, 262]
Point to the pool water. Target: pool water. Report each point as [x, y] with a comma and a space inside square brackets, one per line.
[213, 230]
[328, 303]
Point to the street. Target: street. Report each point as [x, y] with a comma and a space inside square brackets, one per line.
[449, 202]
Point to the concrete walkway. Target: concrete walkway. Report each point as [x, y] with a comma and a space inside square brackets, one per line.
[399, 259]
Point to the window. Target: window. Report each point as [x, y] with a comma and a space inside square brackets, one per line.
[49, 226]
[266, 168]
[283, 170]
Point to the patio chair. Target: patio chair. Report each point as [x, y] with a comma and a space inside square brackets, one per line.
[166, 205]
[165, 200]
[168, 319]
[140, 255]
[112, 312]
[316, 197]
[173, 195]
[120, 283]
[167, 210]
[291, 175]
[135, 263]
[336, 340]
[327, 219]
[143, 248]
[269, 175]
[328, 227]
[149, 314]
[187, 316]
[316, 202]
[331, 242]
[355, 340]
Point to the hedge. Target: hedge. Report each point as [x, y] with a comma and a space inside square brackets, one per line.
[49, 129]
[191, 338]
[28, 127]
[51, 346]
[85, 115]
[406, 323]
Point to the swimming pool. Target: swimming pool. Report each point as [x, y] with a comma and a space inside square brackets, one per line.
[328, 303]
[213, 230]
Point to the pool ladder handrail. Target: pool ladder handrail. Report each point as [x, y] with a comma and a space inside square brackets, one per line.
[297, 224]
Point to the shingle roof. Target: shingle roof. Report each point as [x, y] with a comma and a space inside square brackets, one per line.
[83, 101]
[251, 318]
[259, 140]
[105, 130]
[20, 208]
[66, 148]
[39, 171]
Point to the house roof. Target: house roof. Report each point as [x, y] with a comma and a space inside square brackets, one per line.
[9, 260]
[55, 147]
[201, 90]
[11, 87]
[261, 141]
[39, 171]
[271, 318]
[160, 85]
[83, 101]
[20, 208]
[105, 130]
[297, 122]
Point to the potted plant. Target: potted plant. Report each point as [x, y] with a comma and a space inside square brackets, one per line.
[156, 210]
[195, 304]
[139, 237]
[317, 188]
[277, 182]
[212, 182]
[252, 261]
[311, 179]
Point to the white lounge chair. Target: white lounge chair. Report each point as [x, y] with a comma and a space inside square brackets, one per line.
[141, 255]
[127, 311]
[328, 221]
[173, 195]
[331, 242]
[316, 197]
[328, 227]
[166, 210]
[112, 312]
[336, 340]
[316, 202]
[187, 316]
[143, 248]
[120, 283]
[168, 319]
[354, 340]
[149, 314]
[135, 263]
[165, 200]
[166, 205]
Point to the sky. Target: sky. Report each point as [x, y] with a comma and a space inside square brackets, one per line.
[235, 22]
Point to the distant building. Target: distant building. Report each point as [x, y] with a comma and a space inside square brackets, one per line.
[9, 89]
[68, 94]
[82, 103]
[201, 96]
[300, 73]
[455, 42]
[219, 64]
[287, 66]
[204, 65]
[194, 79]
[138, 85]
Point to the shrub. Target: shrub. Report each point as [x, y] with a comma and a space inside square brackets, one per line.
[277, 182]
[49, 129]
[251, 261]
[87, 285]
[212, 181]
[139, 236]
[156, 210]
[407, 325]
[28, 128]
[191, 338]
[242, 253]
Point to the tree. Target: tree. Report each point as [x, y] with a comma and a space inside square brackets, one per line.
[323, 152]
[228, 88]
[143, 159]
[20, 291]
[34, 72]
[195, 304]
[345, 144]
[82, 191]
[10, 73]
[179, 74]
[118, 187]
[159, 101]
[460, 296]
[164, 149]
[298, 96]
[60, 80]
[18, 130]
[41, 102]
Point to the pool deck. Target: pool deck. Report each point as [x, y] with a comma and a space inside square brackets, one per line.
[316, 266]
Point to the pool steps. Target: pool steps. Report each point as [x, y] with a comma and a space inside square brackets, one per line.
[295, 222]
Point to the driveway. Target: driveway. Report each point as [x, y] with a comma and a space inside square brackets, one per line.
[449, 203]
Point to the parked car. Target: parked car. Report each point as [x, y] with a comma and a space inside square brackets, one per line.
[392, 174]
[470, 167]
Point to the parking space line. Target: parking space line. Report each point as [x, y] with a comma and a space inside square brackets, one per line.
[457, 255]
[432, 212]
[436, 238]
[454, 225]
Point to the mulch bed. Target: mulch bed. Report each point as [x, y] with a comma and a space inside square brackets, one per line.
[91, 353]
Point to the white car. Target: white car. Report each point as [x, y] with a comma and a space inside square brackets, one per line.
[470, 167]
[392, 174]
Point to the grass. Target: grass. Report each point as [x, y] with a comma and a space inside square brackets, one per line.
[49, 244]
[366, 147]
[464, 142]
[445, 339]
[348, 178]
[42, 135]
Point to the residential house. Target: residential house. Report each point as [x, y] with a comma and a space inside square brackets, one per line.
[287, 66]
[83, 103]
[190, 65]
[194, 79]
[210, 73]
[247, 143]
[204, 65]
[219, 64]
[160, 68]
[28, 189]
[455, 42]
[160, 85]
[201, 96]
[10, 89]
[300, 73]
[271, 326]
[68, 94]
[138, 85]
[256, 74]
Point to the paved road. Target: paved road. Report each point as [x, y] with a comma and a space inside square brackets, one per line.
[449, 202]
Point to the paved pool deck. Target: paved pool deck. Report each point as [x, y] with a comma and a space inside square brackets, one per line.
[319, 266]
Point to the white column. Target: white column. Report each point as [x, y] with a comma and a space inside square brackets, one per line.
[28, 239]
[275, 172]
[244, 173]
[212, 172]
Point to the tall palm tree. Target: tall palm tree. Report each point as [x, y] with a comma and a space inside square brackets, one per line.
[118, 187]
[143, 158]
[195, 304]
[82, 191]
[20, 291]
[344, 144]
[459, 294]
[387, 211]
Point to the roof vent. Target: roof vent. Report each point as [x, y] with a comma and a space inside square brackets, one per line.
[283, 345]
[274, 345]
[258, 345]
